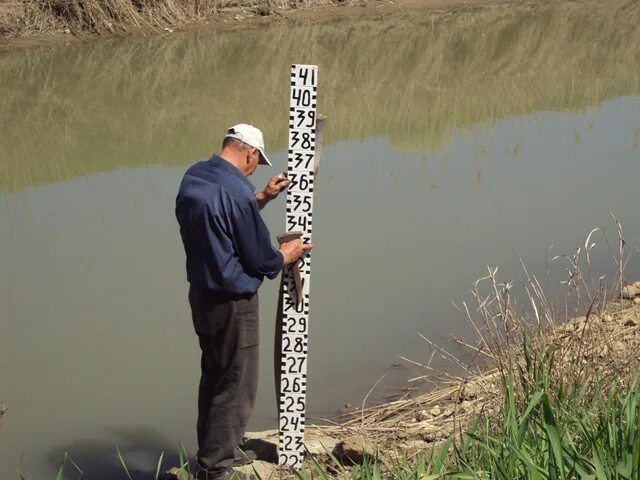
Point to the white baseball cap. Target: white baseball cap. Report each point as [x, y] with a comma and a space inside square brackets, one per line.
[252, 137]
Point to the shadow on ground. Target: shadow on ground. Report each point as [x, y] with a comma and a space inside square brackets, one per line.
[98, 459]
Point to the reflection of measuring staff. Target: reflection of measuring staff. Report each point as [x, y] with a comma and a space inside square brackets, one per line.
[294, 321]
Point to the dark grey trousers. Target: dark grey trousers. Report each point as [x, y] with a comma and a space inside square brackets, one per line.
[227, 328]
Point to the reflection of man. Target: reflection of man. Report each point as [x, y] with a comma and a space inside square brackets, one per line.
[229, 252]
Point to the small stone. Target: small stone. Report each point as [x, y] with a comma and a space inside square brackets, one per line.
[435, 411]
[470, 391]
[636, 300]
[448, 412]
[630, 291]
[422, 415]
[637, 285]
[319, 446]
[67, 31]
[608, 318]
[429, 437]
[264, 444]
[263, 469]
[618, 346]
[353, 449]
[466, 406]
[173, 474]
[346, 408]
[413, 445]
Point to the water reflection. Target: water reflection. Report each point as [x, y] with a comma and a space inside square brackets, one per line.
[81, 109]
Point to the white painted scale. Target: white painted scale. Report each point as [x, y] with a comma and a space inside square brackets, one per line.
[295, 314]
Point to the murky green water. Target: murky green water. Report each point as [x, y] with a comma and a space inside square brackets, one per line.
[455, 141]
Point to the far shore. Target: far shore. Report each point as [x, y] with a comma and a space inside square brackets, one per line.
[18, 32]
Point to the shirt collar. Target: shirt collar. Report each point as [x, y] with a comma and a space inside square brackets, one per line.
[229, 167]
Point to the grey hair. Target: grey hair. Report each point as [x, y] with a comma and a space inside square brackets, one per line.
[235, 144]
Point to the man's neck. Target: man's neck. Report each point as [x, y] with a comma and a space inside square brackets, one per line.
[234, 160]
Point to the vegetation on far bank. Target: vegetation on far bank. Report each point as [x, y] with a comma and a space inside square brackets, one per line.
[30, 17]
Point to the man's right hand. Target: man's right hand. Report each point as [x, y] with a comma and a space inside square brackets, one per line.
[293, 250]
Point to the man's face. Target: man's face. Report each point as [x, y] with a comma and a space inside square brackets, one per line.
[252, 160]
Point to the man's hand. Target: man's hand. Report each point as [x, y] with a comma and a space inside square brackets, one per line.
[293, 250]
[276, 185]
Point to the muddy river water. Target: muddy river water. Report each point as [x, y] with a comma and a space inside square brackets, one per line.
[455, 140]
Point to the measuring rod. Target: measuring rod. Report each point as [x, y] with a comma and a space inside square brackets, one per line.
[295, 301]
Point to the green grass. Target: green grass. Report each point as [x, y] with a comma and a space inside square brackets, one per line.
[542, 432]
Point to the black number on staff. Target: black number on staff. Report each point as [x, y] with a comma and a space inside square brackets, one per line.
[292, 405]
[293, 346]
[295, 364]
[290, 423]
[308, 76]
[295, 222]
[301, 203]
[295, 442]
[289, 459]
[304, 118]
[302, 160]
[292, 385]
[303, 139]
[296, 325]
[292, 306]
[301, 96]
[300, 180]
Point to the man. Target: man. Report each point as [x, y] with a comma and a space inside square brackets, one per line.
[229, 253]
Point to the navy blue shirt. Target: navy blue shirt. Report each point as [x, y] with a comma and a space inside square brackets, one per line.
[227, 243]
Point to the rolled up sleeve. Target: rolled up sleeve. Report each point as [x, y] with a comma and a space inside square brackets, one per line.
[253, 242]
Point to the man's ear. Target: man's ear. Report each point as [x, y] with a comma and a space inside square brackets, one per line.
[250, 152]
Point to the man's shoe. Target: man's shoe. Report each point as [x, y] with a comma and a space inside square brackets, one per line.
[243, 457]
[226, 474]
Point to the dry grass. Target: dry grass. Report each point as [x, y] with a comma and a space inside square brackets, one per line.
[99, 16]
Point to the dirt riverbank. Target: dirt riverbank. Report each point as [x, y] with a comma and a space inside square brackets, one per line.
[20, 28]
